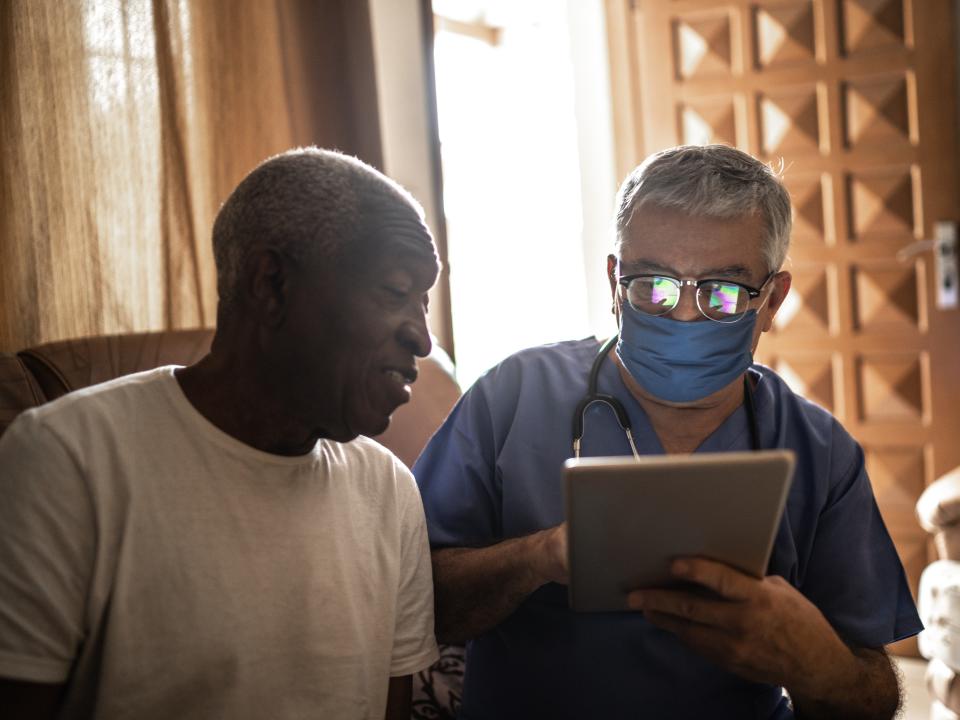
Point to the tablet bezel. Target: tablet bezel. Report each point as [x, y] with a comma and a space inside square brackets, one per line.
[680, 501]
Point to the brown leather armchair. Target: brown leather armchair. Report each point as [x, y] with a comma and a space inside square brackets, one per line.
[40, 374]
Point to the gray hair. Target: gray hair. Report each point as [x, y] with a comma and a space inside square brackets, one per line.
[710, 181]
[309, 203]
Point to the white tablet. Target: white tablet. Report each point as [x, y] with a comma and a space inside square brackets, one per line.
[627, 519]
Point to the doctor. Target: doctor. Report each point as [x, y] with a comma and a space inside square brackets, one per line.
[696, 278]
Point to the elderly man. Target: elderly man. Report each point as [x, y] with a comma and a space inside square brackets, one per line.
[218, 541]
[702, 234]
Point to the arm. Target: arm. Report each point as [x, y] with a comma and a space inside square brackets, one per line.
[766, 631]
[477, 588]
[35, 701]
[870, 690]
[47, 540]
[399, 694]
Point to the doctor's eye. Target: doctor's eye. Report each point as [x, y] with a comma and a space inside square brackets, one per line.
[652, 294]
[721, 300]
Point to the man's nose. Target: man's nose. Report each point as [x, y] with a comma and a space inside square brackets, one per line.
[415, 334]
[686, 307]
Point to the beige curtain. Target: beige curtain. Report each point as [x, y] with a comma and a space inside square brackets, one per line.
[123, 126]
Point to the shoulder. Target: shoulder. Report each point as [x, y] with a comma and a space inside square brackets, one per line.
[113, 392]
[559, 354]
[542, 364]
[100, 407]
[530, 379]
[804, 415]
[370, 465]
[820, 440]
[367, 452]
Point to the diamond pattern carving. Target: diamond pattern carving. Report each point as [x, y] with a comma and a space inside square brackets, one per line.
[897, 476]
[807, 306]
[806, 194]
[891, 388]
[702, 46]
[885, 296]
[881, 203]
[788, 121]
[785, 34]
[877, 111]
[708, 121]
[870, 24]
[809, 376]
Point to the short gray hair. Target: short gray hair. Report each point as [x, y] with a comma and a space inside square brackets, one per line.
[308, 203]
[710, 181]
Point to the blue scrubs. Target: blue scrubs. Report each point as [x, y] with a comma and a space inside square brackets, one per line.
[492, 472]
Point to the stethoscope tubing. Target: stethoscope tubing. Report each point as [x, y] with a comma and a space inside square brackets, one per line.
[623, 419]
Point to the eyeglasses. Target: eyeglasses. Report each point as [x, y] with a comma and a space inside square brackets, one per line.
[718, 300]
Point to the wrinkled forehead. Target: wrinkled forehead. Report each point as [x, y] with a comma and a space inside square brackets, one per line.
[393, 232]
[398, 224]
[666, 239]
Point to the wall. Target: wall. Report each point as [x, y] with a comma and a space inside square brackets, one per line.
[598, 175]
[402, 36]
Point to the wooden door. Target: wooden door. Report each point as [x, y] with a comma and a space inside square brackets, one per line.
[858, 99]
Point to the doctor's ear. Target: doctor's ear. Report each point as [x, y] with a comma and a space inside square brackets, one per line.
[778, 293]
[612, 274]
[612, 279]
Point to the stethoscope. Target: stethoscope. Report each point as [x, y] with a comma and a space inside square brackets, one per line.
[620, 411]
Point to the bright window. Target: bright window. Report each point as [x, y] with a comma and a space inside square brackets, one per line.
[512, 185]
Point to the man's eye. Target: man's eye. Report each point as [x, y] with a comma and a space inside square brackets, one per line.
[395, 292]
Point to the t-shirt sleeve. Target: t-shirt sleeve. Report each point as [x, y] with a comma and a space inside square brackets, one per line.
[854, 572]
[47, 549]
[414, 644]
[457, 476]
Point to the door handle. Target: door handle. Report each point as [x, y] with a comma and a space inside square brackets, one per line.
[945, 264]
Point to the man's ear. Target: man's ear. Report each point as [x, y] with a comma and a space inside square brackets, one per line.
[778, 293]
[612, 279]
[612, 274]
[268, 285]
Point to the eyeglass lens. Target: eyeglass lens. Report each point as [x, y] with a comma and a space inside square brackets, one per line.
[659, 295]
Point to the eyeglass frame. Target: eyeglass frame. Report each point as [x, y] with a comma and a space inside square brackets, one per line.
[752, 293]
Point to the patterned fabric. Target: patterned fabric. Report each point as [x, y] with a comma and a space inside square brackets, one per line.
[438, 689]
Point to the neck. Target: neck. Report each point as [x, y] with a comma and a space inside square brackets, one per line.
[683, 428]
[234, 396]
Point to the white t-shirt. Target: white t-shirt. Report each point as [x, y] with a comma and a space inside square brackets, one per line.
[166, 570]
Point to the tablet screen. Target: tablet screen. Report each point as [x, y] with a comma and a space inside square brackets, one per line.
[628, 519]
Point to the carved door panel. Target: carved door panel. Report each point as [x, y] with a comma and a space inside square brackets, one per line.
[858, 98]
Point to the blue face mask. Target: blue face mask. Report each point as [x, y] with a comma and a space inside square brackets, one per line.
[684, 361]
